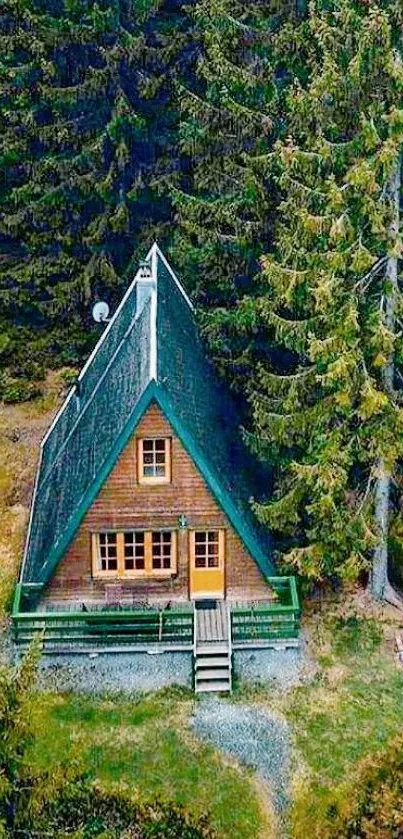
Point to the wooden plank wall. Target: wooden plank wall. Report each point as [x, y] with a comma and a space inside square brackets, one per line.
[125, 504]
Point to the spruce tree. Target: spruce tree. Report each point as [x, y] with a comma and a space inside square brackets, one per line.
[230, 117]
[89, 137]
[327, 409]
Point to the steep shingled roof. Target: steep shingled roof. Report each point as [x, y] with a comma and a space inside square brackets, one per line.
[150, 351]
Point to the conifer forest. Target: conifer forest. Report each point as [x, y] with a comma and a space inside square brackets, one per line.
[260, 145]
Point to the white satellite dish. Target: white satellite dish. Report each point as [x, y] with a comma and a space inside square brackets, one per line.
[100, 312]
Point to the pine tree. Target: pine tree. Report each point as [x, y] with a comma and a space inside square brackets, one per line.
[89, 138]
[225, 202]
[327, 408]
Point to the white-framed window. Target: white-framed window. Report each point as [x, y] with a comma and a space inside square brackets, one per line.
[154, 460]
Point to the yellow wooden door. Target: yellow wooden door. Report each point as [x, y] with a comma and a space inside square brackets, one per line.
[207, 564]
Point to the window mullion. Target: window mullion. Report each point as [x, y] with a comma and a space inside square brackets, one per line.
[148, 552]
[120, 554]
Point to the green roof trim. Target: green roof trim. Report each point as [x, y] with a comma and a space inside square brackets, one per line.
[221, 495]
[150, 350]
[156, 393]
[61, 547]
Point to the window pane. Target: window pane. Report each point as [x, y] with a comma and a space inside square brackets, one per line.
[134, 551]
[148, 445]
[200, 562]
[160, 445]
[107, 551]
[161, 548]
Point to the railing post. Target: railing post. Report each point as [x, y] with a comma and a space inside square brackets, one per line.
[230, 643]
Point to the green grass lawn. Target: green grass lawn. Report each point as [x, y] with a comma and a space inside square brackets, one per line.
[349, 712]
[147, 746]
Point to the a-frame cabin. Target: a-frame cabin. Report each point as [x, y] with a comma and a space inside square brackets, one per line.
[142, 497]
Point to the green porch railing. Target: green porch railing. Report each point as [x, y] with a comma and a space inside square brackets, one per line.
[269, 621]
[101, 628]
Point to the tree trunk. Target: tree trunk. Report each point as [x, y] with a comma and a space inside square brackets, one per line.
[380, 586]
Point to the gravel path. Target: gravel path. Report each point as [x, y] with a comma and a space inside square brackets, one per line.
[255, 737]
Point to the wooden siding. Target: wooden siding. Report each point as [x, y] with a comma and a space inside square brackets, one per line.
[123, 503]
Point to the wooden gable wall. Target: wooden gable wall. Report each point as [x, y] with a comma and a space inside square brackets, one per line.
[124, 504]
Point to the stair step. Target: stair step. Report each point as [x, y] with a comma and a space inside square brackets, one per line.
[214, 673]
[213, 687]
[212, 661]
[213, 648]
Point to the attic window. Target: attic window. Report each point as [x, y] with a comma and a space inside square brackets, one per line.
[154, 458]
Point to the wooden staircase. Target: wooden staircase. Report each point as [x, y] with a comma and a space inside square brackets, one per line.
[212, 648]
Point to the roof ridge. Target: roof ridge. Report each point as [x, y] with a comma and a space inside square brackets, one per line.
[155, 251]
[153, 257]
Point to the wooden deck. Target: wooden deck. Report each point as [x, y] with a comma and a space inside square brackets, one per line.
[212, 624]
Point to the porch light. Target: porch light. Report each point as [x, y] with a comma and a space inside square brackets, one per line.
[182, 522]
